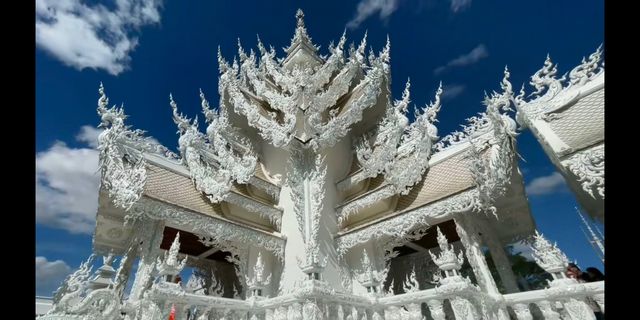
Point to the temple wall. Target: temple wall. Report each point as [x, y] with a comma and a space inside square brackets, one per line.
[338, 160]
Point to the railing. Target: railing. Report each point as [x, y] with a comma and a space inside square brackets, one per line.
[313, 301]
[43, 305]
[573, 301]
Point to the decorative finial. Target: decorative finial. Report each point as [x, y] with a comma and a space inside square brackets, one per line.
[223, 66]
[263, 50]
[505, 84]
[170, 265]
[103, 101]
[386, 52]
[434, 107]
[179, 119]
[300, 18]
[447, 260]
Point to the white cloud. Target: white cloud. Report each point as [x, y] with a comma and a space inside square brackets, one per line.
[478, 53]
[452, 91]
[366, 8]
[49, 275]
[546, 185]
[89, 135]
[83, 36]
[67, 183]
[458, 5]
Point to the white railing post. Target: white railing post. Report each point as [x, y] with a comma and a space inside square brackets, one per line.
[436, 307]
[463, 309]
[392, 313]
[547, 310]
[522, 311]
[599, 298]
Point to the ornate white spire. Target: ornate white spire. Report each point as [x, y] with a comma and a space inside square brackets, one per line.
[103, 277]
[447, 261]
[272, 95]
[545, 79]
[301, 36]
[587, 69]
[123, 172]
[493, 175]
[258, 281]
[368, 276]
[213, 166]
[397, 144]
[169, 264]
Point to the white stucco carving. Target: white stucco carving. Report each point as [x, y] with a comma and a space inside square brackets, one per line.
[292, 243]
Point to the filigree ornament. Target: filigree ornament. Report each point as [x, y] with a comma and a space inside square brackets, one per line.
[310, 90]
[558, 93]
[122, 170]
[447, 259]
[213, 164]
[409, 226]
[169, 264]
[400, 150]
[588, 166]
[492, 174]
[259, 279]
[304, 104]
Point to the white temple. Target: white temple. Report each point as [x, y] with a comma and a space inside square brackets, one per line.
[311, 195]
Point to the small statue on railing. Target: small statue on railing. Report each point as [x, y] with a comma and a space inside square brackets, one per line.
[451, 283]
[169, 265]
[369, 277]
[447, 261]
[567, 291]
[258, 282]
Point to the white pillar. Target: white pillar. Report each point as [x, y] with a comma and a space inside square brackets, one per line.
[149, 236]
[470, 238]
[498, 255]
[437, 309]
[522, 311]
[124, 270]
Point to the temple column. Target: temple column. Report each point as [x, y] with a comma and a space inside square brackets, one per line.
[499, 256]
[124, 270]
[470, 238]
[149, 236]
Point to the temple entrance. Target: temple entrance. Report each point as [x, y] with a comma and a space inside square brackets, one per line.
[414, 255]
[218, 275]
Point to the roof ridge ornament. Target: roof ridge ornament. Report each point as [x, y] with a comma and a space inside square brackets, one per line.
[301, 36]
[123, 172]
[588, 69]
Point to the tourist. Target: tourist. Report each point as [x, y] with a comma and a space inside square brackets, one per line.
[574, 272]
[593, 275]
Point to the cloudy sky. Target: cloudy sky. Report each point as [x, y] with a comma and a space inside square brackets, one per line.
[142, 50]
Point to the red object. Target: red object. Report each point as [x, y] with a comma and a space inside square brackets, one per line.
[172, 314]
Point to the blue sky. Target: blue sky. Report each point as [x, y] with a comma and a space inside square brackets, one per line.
[144, 50]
